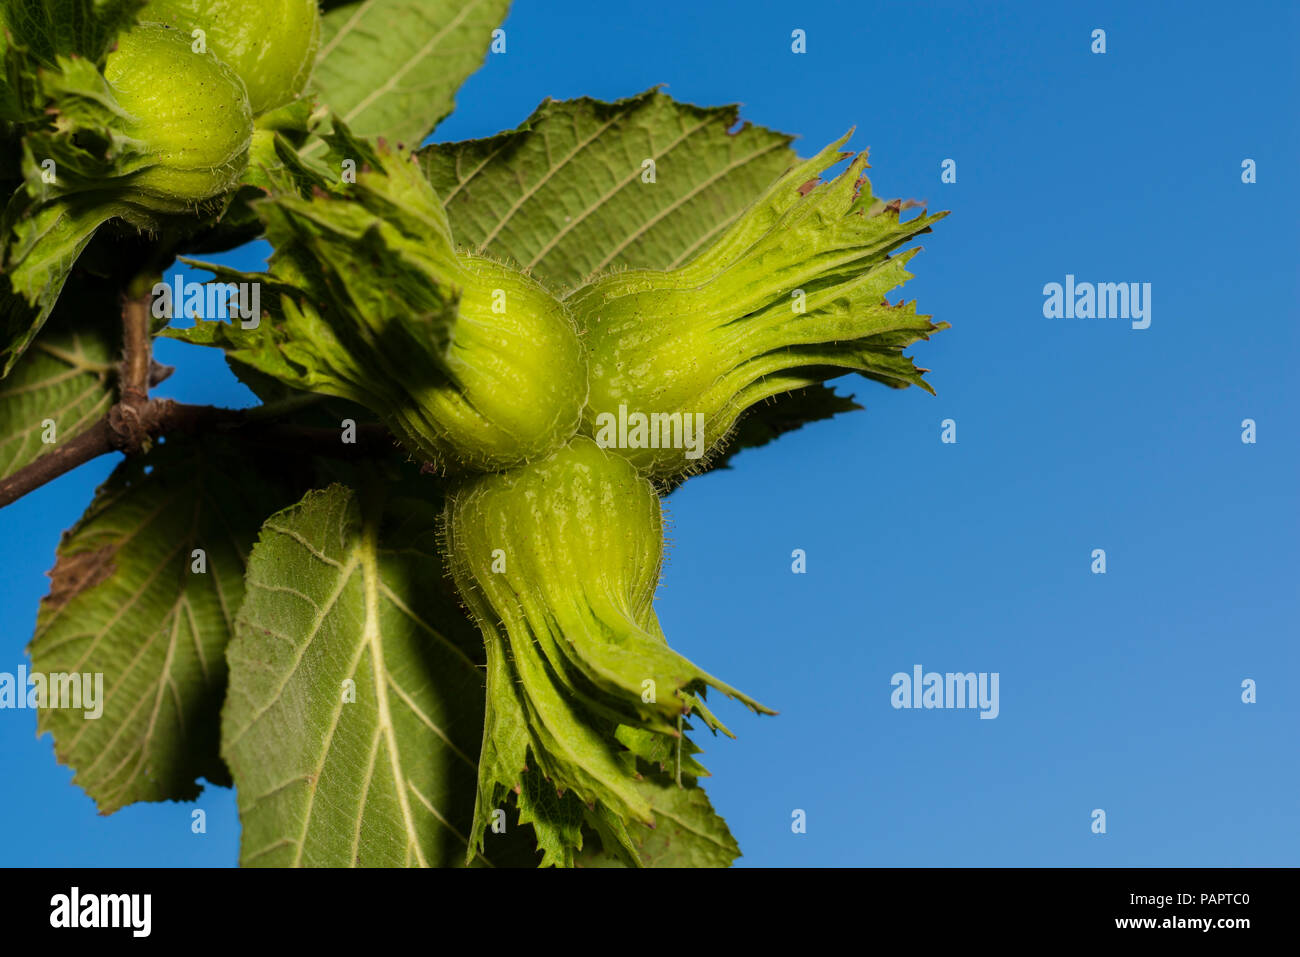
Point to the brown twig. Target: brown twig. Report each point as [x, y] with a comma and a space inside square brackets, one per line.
[107, 435]
[165, 417]
[94, 442]
[135, 419]
[137, 369]
[137, 347]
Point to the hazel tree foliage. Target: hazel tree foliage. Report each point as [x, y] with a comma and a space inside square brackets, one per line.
[421, 629]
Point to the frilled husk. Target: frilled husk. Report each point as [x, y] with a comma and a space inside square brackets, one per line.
[558, 564]
[793, 293]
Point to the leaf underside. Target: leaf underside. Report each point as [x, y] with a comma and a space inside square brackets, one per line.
[126, 602]
[391, 68]
[67, 378]
[338, 594]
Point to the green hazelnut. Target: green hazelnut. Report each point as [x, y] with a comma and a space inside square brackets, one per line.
[190, 112]
[521, 373]
[271, 44]
[791, 294]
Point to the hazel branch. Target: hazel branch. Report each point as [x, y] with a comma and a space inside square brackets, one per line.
[116, 432]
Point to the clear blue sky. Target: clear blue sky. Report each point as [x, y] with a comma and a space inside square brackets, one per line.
[1118, 691]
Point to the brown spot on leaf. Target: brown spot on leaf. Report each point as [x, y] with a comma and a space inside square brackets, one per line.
[809, 186]
[72, 574]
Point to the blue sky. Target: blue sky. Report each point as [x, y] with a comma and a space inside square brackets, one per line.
[1119, 691]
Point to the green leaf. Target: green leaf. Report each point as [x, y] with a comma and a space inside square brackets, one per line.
[43, 247]
[68, 377]
[35, 33]
[338, 592]
[391, 68]
[49, 28]
[377, 260]
[687, 831]
[127, 603]
[563, 195]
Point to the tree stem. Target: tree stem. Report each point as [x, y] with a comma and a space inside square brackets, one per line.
[125, 418]
[165, 417]
[135, 419]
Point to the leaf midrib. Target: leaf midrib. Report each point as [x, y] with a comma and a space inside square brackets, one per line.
[372, 638]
